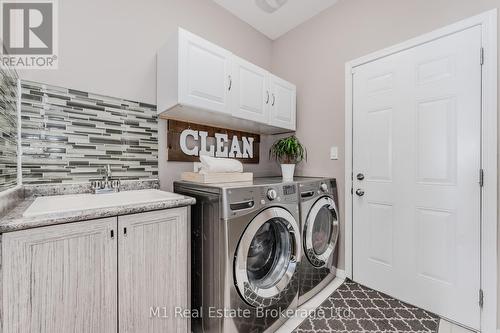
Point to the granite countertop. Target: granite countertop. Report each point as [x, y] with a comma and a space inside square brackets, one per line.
[14, 219]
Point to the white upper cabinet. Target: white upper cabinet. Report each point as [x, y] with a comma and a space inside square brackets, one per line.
[195, 73]
[251, 94]
[205, 74]
[283, 103]
[198, 81]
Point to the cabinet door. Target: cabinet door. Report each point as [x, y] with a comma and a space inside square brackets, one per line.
[60, 278]
[153, 271]
[251, 94]
[204, 74]
[283, 103]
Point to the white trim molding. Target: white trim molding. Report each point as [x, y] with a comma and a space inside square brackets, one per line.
[488, 23]
[340, 274]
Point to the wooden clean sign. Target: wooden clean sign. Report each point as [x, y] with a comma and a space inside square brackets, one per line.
[187, 141]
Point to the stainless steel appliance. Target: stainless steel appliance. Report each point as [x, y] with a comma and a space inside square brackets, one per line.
[245, 255]
[319, 224]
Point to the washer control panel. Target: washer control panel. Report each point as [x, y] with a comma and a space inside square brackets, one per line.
[279, 193]
[240, 201]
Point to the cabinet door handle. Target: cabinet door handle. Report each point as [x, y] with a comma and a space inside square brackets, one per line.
[274, 99]
[125, 231]
[230, 82]
[112, 232]
[267, 99]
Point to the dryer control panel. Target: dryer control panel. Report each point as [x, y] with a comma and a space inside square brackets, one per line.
[311, 190]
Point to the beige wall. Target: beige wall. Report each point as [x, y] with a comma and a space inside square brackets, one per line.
[314, 54]
[109, 47]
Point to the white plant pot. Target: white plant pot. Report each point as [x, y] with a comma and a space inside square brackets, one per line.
[287, 171]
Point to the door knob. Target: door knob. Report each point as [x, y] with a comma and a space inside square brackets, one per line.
[360, 176]
[360, 192]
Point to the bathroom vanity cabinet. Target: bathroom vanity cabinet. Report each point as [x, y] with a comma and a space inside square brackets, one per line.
[126, 272]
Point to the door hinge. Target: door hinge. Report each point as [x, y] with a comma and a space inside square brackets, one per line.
[481, 177]
[481, 297]
[481, 57]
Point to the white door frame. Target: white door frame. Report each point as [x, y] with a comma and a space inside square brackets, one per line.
[488, 23]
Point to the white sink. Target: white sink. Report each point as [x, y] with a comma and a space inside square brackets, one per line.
[77, 202]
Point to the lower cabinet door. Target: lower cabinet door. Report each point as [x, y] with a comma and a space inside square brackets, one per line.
[60, 278]
[153, 256]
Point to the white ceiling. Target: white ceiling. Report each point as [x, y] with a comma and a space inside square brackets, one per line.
[284, 19]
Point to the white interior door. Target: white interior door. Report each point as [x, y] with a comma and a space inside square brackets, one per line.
[416, 140]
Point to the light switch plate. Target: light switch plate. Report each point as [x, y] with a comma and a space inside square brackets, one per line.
[334, 153]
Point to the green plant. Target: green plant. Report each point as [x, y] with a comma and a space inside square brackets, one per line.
[288, 150]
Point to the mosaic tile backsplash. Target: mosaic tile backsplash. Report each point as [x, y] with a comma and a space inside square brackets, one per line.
[8, 128]
[68, 136]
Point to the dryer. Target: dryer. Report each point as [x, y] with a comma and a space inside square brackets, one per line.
[245, 255]
[320, 229]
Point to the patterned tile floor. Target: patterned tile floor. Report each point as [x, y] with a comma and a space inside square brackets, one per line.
[353, 308]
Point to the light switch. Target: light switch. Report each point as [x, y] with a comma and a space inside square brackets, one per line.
[334, 153]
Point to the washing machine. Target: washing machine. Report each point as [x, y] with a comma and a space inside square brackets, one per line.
[319, 224]
[245, 250]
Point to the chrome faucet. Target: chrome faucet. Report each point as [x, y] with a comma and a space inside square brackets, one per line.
[106, 185]
[107, 172]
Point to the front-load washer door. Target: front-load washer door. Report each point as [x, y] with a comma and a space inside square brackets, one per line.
[321, 231]
[267, 257]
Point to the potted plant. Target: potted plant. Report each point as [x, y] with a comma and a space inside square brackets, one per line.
[288, 152]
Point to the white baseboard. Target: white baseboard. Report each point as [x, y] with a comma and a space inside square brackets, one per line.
[342, 275]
